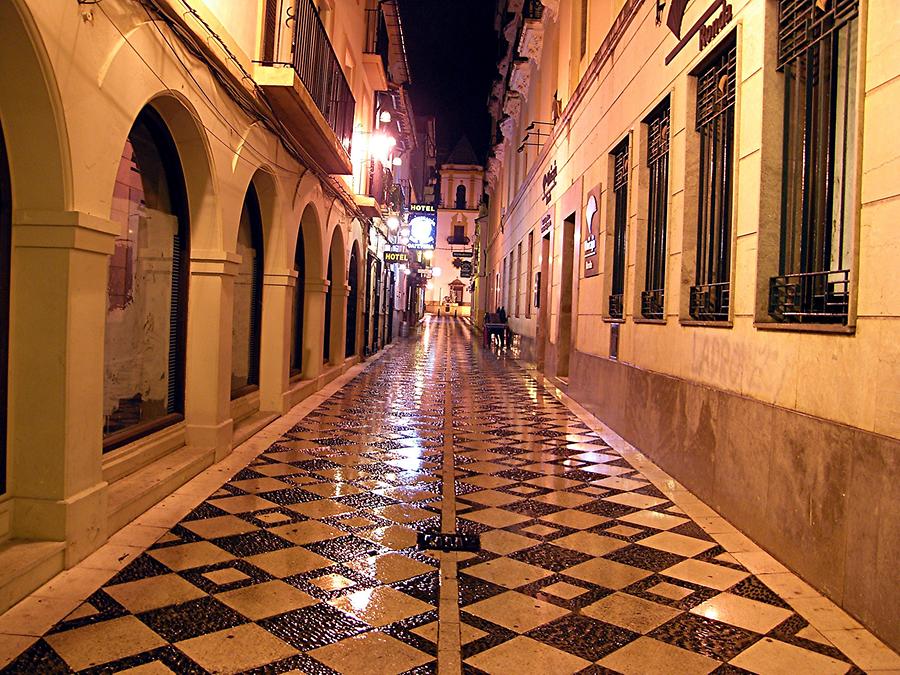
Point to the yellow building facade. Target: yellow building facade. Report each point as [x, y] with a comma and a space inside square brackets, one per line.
[178, 221]
[698, 241]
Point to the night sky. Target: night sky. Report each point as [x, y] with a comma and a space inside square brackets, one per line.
[452, 51]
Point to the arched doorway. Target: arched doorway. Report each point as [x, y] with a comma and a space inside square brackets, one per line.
[146, 315]
[299, 306]
[5, 260]
[247, 306]
[353, 282]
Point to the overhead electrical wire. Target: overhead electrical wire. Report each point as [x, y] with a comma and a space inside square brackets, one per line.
[239, 96]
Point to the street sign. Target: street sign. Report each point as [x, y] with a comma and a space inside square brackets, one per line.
[462, 254]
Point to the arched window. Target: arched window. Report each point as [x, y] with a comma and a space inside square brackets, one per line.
[247, 307]
[5, 258]
[353, 282]
[299, 304]
[146, 313]
[460, 196]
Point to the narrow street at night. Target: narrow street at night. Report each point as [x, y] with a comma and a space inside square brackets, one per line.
[591, 559]
[462, 337]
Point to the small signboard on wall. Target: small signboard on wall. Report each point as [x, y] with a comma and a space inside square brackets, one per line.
[591, 227]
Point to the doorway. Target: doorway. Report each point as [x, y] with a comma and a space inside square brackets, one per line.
[564, 337]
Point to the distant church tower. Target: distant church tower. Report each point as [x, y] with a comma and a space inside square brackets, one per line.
[461, 178]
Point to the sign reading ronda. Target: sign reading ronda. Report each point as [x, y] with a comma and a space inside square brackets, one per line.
[707, 32]
[422, 227]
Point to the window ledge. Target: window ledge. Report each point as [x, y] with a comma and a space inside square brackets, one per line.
[706, 324]
[609, 319]
[658, 322]
[833, 329]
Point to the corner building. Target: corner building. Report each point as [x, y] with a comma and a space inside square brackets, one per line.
[692, 226]
[185, 209]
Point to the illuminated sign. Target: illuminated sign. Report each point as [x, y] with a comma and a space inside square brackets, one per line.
[396, 257]
[422, 227]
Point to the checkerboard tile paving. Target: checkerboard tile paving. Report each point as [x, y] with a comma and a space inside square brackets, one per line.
[306, 560]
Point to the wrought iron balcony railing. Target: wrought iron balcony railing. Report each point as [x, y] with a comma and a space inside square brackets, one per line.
[710, 302]
[533, 9]
[377, 41]
[615, 306]
[294, 36]
[813, 297]
[653, 304]
[453, 240]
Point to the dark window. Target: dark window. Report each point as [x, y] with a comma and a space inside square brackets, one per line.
[818, 54]
[147, 293]
[5, 260]
[652, 299]
[460, 196]
[620, 226]
[710, 294]
[299, 298]
[459, 232]
[246, 321]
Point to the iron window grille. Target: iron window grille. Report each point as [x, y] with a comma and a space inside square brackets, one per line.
[653, 296]
[710, 295]
[817, 52]
[620, 222]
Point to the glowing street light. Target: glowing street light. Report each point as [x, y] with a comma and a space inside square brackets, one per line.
[436, 271]
[393, 223]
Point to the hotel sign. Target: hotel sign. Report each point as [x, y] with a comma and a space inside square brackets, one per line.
[707, 32]
[591, 225]
[422, 227]
[546, 223]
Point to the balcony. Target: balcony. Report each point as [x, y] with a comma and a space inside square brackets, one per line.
[458, 240]
[375, 52]
[533, 10]
[303, 79]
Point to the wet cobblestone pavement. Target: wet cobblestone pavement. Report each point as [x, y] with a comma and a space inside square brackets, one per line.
[306, 560]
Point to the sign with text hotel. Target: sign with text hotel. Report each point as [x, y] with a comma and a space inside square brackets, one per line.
[707, 29]
[422, 227]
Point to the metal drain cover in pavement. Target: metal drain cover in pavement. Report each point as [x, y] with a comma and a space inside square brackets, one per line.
[448, 541]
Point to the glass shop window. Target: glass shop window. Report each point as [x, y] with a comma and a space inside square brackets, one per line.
[147, 288]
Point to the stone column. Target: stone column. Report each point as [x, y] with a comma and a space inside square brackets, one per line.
[208, 368]
[275, 347]
[339, 295]
[60, 268]
[313, 323]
